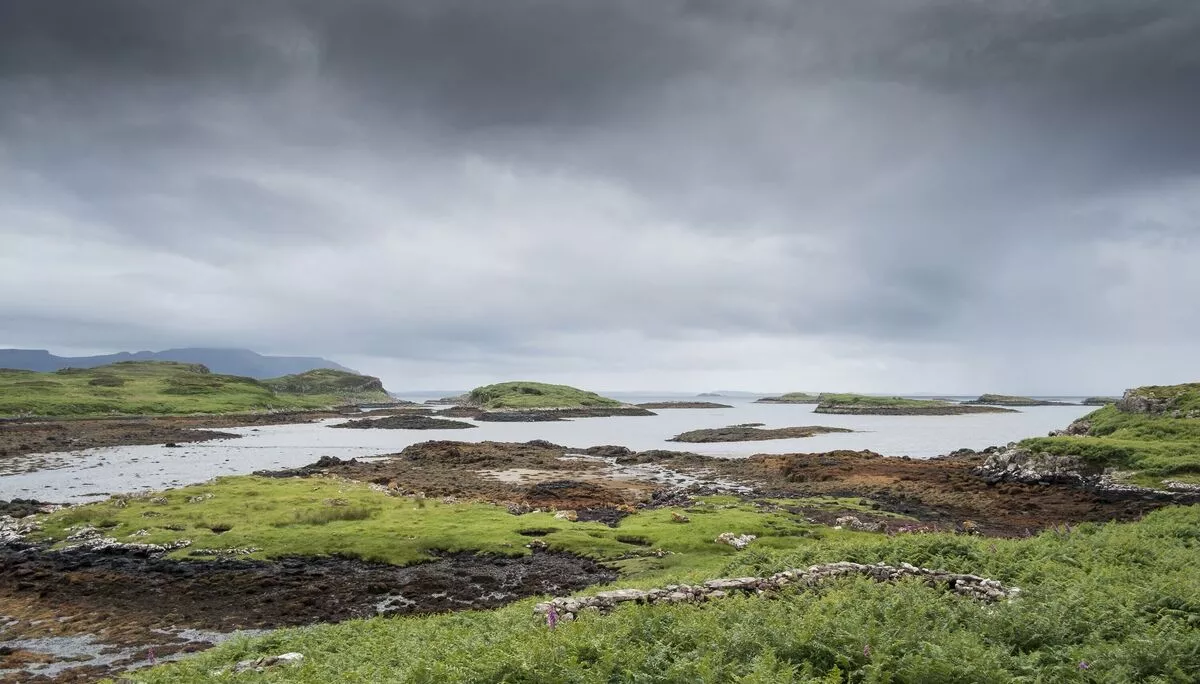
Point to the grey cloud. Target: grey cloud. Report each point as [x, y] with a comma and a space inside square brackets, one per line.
[540, 182]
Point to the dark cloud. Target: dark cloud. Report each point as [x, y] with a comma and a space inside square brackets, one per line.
[878, 194]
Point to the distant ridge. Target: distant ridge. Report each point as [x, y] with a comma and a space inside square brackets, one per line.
[224, 361]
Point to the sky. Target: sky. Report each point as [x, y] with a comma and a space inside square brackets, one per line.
[947, 196]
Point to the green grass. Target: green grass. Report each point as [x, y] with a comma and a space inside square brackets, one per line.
[1151, 444]
[1123, 599]
[329, 382]
[868, 401]
[1184, 397]
[533, 395]
[145, 388]
[798, 397]
[325, 516]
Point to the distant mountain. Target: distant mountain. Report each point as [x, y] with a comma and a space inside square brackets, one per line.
[223, 361]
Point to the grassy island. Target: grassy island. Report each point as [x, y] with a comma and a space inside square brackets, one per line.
[536, 395]
[860, 404]
[791, 398]
[1011, 400]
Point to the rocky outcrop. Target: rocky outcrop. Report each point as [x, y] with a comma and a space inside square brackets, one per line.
[1174, 401]
[1078, 428]
[88, 538]
[1015, 464]
[971, 586]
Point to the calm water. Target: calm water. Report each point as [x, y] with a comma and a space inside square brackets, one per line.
[95, 473]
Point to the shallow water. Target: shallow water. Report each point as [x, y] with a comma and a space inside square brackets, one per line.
[96, 473]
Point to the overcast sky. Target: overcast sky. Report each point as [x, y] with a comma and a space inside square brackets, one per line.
[872, 195]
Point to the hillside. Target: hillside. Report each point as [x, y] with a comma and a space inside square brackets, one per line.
[147, 388]
[535, 395]
[1153, 431]
[859, 404]
[226, 361]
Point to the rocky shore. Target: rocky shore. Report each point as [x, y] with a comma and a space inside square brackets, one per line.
[22, 436]
[132, 604]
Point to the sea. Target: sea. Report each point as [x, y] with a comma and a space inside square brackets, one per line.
[95, 474]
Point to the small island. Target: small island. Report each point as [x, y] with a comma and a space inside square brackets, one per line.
[750, 432]
[1099, 401]
[858, 404]
[525, 401]
[1010, 400]
[682, 405]
[407, 422]
[791, 398]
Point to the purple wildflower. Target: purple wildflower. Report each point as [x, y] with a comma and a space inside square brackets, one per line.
[151, 657]
[552, 618]
[866, 650]
[1084, 665]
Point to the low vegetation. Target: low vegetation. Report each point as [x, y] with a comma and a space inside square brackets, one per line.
[351, 387]
[1011, 400]
[872, 405]
[1100, 603]
[327, 516]
[791, 398]
[1154, 431]
[162, 388]
[535, 395]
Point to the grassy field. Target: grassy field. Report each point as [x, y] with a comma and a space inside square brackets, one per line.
[1155, 444]
[148, 388]
[1100, 603]
[327, 516]
[533, 395]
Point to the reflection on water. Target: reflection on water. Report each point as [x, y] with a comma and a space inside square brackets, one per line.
[97, 472]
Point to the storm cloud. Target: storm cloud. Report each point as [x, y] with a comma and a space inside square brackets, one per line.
[877, 195]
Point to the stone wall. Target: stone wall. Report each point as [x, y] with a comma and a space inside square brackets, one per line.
[972, 586]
